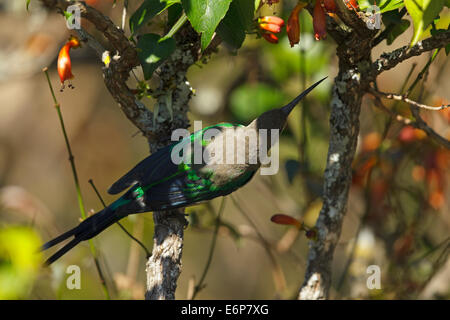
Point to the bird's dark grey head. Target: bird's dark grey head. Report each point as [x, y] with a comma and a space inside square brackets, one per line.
[276, 118]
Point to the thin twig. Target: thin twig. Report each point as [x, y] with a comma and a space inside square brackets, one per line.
[415, 262]
[279, 280]
[422, 72]
[147, 252]
[404, 98]
[418, 124]
[414, 107]
[421, 124]
[117, 73]
[200, 284]
[437, 264]
[77, 184]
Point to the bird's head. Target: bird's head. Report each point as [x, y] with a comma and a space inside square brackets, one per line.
[276, 118]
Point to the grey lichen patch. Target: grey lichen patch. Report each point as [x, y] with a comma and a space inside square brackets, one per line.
[333, 212]
[341, 87]
[165, 262]
[312, 288]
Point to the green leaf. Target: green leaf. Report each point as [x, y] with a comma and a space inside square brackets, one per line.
[390, 5]
[28, 4]
[20, 261]
[258, 2]
[422, 12]
[67, 15]
[392, 17]
[205, 16]
[173, 14]
[399, 28]
[147, 10]
[153, 51]
[237, 21]
[384, 5]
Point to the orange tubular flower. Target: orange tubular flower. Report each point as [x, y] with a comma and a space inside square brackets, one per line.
[270, 27]
[286, 220]
[319, 22]
[311, 233]
[64, 63]
[272, 20]
[293, 25]
[270, 37]
[271, 24]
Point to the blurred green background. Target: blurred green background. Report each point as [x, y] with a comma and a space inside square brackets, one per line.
[404, 203]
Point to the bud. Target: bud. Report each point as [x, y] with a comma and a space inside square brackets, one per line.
[270, 37]
[293, 25]
[286, 220]
[319, 22]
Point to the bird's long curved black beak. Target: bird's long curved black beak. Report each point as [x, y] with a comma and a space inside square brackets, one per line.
[288, 108]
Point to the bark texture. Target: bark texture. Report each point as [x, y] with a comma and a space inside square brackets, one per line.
[173, 95]
[349, 87]
[356, 72]
[344, 125]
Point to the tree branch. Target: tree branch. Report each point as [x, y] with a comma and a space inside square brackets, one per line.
[403, 98]
[173, 95]
[421, 124]
[390, 60]
[418, 124]
[347, 94]
[116, 74]
[405, 121]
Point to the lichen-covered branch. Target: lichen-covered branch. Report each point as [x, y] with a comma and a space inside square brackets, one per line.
[354, 46]
[173, 95]
[348, 90]
[400, 97]
[391, 59]
[356, 72]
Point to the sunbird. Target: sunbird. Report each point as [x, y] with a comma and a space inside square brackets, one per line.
[157, 183]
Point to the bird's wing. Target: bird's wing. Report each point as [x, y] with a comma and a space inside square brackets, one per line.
[189, 188]
[153, 168]
[157, 166]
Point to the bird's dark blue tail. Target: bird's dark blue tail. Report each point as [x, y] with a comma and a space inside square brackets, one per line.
[85, 230]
